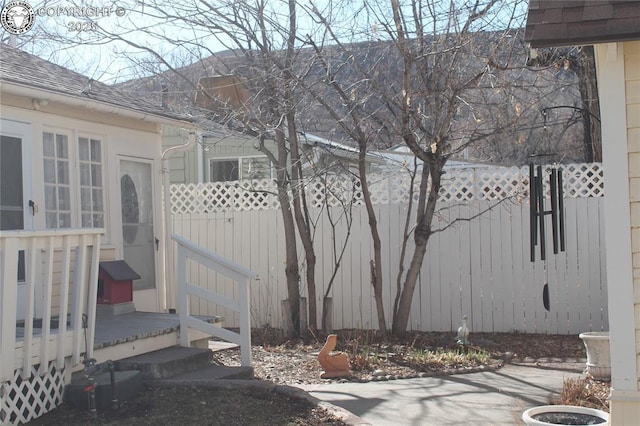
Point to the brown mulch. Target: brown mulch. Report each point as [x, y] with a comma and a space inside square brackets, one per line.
[296, 362]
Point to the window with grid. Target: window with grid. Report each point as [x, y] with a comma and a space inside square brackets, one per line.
[91, 196]
[57, 181]
[72, 181]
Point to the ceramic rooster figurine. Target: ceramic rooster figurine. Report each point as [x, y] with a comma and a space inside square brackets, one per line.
[334, 365]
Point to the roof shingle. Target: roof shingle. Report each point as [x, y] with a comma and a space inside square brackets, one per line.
[19, 67]
[561, 23]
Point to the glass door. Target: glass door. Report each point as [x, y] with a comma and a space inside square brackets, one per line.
[16, 207]
[138, 236]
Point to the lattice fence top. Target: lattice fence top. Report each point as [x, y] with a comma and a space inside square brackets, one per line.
[458, 184]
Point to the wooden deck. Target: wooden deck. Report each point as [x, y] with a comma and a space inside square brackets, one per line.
[135, 333]
[125, 335]
[113, 330]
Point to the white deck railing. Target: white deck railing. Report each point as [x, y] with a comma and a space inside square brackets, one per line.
[64, 259]
[238, 273]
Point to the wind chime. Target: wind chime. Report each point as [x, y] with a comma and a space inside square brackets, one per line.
[537, 215]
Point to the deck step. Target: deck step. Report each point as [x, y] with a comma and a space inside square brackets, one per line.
[127, 385]
[176, 364]
[210, 373]
[167, 362]
[180, 364]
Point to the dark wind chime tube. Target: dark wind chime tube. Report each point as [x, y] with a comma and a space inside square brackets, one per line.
[537, 215]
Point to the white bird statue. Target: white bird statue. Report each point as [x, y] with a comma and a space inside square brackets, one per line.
[463, 333]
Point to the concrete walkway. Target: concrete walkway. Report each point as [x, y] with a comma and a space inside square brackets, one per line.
[486, 398]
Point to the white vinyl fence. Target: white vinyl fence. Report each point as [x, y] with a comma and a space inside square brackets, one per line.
[479, 267]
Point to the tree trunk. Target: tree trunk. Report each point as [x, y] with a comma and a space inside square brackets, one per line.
[291, 267]
[376, 267]
[302, 221]
[421, 237]
[300, 211]
[327, 314]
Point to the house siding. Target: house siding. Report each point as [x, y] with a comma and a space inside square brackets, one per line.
[184, 165]
[632, 85]
[122, 138]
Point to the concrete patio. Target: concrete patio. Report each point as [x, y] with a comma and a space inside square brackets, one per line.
[485, 398]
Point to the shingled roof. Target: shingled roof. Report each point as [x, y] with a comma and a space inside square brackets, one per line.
[23, 69]
[561, 23]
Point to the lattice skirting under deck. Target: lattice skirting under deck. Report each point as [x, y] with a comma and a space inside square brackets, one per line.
[22, 400]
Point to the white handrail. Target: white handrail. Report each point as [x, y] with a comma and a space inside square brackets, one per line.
[241, 275]
[78, 275]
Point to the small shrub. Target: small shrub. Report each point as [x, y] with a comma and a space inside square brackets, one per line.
[440, 359]
[585, 392]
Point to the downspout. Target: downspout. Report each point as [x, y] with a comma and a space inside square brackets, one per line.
[200, 160]
[168, 291]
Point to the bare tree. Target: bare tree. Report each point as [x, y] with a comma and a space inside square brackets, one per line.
[273, 110]
[432, 77]
[261, 40]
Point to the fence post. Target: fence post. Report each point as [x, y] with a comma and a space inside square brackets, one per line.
[93, 293]
[33, 271]
[79, 298]
[46, 307]
[64, 300]
[8, 296]
[181, 277]
[245, 323]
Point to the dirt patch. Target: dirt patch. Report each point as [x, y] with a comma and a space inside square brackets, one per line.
[185, 405]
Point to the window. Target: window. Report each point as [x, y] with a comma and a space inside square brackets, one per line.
[223, 170]
[70, 189]
[91, 205]
[256, 168]
[57, 184]
[244, 168]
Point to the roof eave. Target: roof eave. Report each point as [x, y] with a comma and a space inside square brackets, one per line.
[543, 43]
[91, 104]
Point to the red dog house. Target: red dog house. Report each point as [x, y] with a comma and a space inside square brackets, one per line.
[115, 282]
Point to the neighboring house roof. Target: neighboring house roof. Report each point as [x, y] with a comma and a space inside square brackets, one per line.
[402, 155]
[25, 71]
[336, 149]
[561, 23]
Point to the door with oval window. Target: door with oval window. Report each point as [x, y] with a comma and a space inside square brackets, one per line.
[138, 236]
